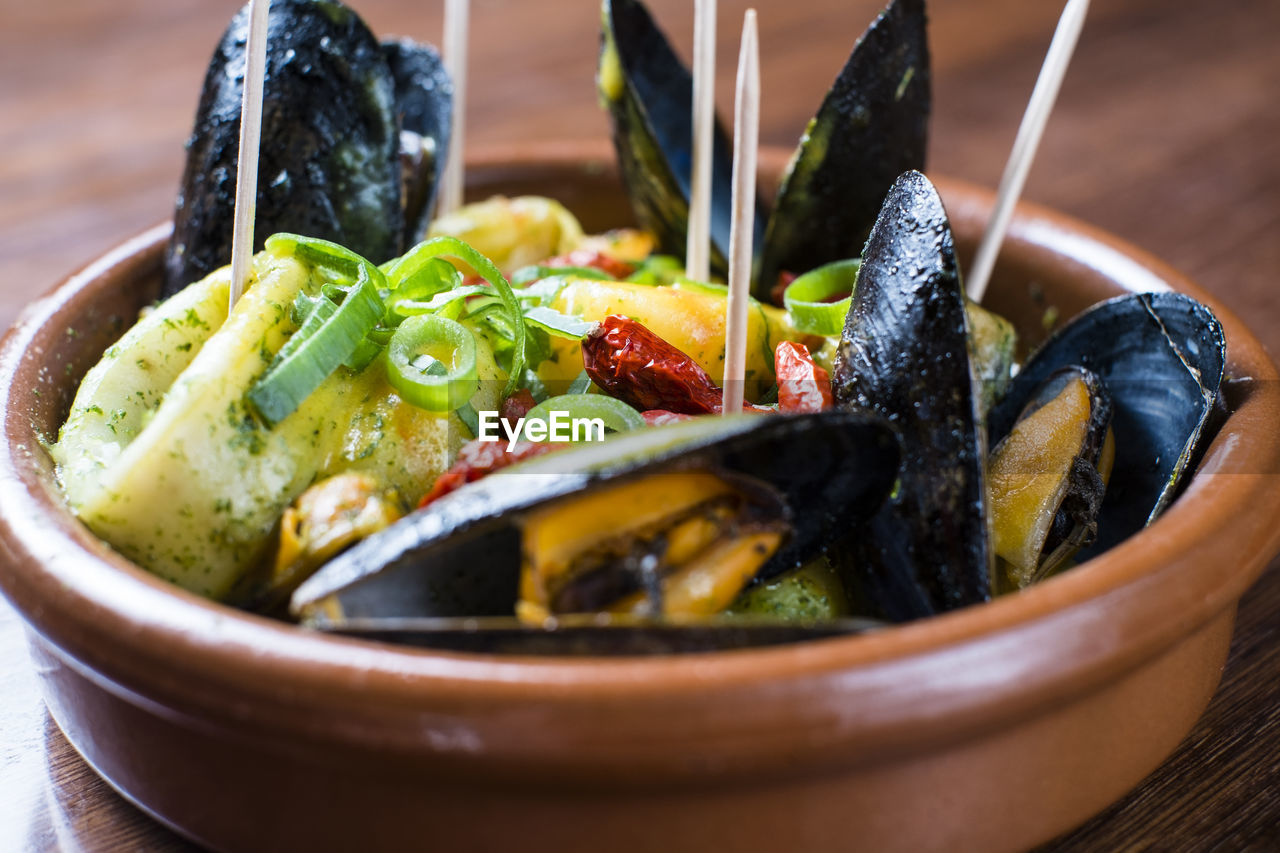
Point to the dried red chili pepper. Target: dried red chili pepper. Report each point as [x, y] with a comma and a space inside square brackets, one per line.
[802, 385]
[631, 363]
[479, 459]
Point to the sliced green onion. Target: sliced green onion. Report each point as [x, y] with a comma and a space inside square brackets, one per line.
[438, 302]
[543, 291]
[329, 337]
[558, 325]
[319, 252]
[615, 414]
[581, 384]
[534, 384]
[804, 297]
[366, 351]
[470, 418]
[431, 362]
[432, 278]
[418, 256]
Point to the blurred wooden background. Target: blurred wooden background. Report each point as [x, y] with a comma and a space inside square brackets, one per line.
[1167, 133]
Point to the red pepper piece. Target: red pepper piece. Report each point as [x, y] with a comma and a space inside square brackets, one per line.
[780, 286]
[802, 385]
[479, 459]
[633, 364]
[516, 407]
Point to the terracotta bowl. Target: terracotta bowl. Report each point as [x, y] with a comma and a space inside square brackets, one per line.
[992, 728]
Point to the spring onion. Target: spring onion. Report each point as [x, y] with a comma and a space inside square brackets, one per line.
[444, 247]
[330, 336]
[616, 415]
[557, 324]
[804, 297]
[431, 362]
[321, 253]
[581, 384]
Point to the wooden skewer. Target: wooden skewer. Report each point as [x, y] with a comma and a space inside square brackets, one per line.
[250, 139]
[746, 138]
[698, 249]
[457, 14]
[1027, 141]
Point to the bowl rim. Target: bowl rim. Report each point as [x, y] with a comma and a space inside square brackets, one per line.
[934, 679]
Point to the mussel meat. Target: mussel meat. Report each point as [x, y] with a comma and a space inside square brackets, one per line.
[669, 523]
[1046, 478]
[1160, 357]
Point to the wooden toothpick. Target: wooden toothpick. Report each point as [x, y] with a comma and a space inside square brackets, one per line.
[250, 138]
[1024, 146]
[746, 138]
[698, 246]
[457, 15]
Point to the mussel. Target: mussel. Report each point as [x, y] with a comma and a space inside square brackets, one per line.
[871, 127]
[1160, 357]
[424, 106]
[649, 94]
[1047, 477]
[904, 354]
[330, 155]
[662, 526]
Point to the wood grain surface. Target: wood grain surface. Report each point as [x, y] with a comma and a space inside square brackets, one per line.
[1167, 133]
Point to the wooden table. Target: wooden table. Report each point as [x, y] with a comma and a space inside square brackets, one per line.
[1167, 133]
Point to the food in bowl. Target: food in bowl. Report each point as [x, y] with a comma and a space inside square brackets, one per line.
[239, 455]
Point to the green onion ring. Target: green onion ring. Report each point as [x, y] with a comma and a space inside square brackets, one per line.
[437, 247]
[804, 297]
[328, 338]
[615, 414]
[453, 385]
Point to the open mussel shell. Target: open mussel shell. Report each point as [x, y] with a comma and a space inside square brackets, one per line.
[648, 92]
[328, 163]
[596, 636]
[904, 354]
[1161, 358]
[461, 555]
[872, 127]
[1047, 478]
[424, 107]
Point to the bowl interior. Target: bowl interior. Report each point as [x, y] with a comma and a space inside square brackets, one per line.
[119, 619]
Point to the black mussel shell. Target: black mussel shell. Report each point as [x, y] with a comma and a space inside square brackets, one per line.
[872, 127]
[1161, 357]
[1074, 521]
[424, 107]
[460, 556]
[595, 637]
[649, 95]
[904, 354]
[328, 165]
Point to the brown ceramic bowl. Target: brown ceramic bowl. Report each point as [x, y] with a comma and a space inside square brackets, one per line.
[991, 728]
